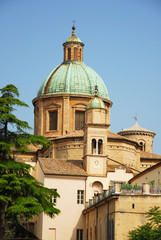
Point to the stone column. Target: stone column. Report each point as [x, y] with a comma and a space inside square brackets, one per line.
[146, 188]
[65, 115]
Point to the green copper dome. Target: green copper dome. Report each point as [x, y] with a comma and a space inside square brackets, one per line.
[73, 77]
[96, 103]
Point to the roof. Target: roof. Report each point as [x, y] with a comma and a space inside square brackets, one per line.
[147, 155]
[73, 77]
[145, 171]
[112, 135]
[80, 133]
[61, 167]
[135, 127]
[73, 38]
[96, 103]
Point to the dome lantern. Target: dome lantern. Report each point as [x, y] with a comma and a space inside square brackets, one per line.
[73, 48]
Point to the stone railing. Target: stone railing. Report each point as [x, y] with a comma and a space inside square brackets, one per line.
[118, 189]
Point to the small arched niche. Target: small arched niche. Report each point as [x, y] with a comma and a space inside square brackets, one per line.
[97, 187]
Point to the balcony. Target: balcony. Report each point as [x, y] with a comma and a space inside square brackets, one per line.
[121, 189]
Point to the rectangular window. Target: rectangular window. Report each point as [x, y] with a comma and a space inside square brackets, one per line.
[80, 196]
[53, 197]
[79, 119]
[53, 116]
[79, 234]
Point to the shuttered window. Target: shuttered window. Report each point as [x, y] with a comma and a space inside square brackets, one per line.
[79, 119]
[79, 234]
[53, 116]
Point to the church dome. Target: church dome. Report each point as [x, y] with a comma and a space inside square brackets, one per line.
[73, 77]
[96, 103]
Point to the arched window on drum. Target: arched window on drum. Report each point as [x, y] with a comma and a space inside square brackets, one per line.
[69, 53]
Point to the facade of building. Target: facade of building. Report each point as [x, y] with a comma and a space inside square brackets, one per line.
[113, 214]
[72, 109]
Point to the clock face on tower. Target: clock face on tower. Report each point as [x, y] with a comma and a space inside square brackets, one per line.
[96, 163]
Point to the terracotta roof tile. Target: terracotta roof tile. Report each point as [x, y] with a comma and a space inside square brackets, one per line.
[117, 136]
[78, 133]
[149, 155]
[61, 167]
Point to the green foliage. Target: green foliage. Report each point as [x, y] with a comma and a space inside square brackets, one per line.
[136, 187]
[126, 186]
[18, 139]
[150, 230]
[21, 195]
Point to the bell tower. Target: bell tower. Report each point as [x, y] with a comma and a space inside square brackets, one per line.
[95, 137]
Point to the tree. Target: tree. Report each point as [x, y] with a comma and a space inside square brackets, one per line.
[21, 195]
[150, 230]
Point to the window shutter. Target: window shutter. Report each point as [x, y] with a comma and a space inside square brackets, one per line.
[79, 119]
[53, 116]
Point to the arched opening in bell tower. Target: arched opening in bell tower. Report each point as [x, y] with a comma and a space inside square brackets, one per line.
[100, 146]
[93, 146]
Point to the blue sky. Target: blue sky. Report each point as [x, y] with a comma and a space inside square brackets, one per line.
[122, 44]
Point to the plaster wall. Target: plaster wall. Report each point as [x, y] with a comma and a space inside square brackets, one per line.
[119, 175]
[136, 216]
[71, 217]
[154, 175]
[126, 212]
